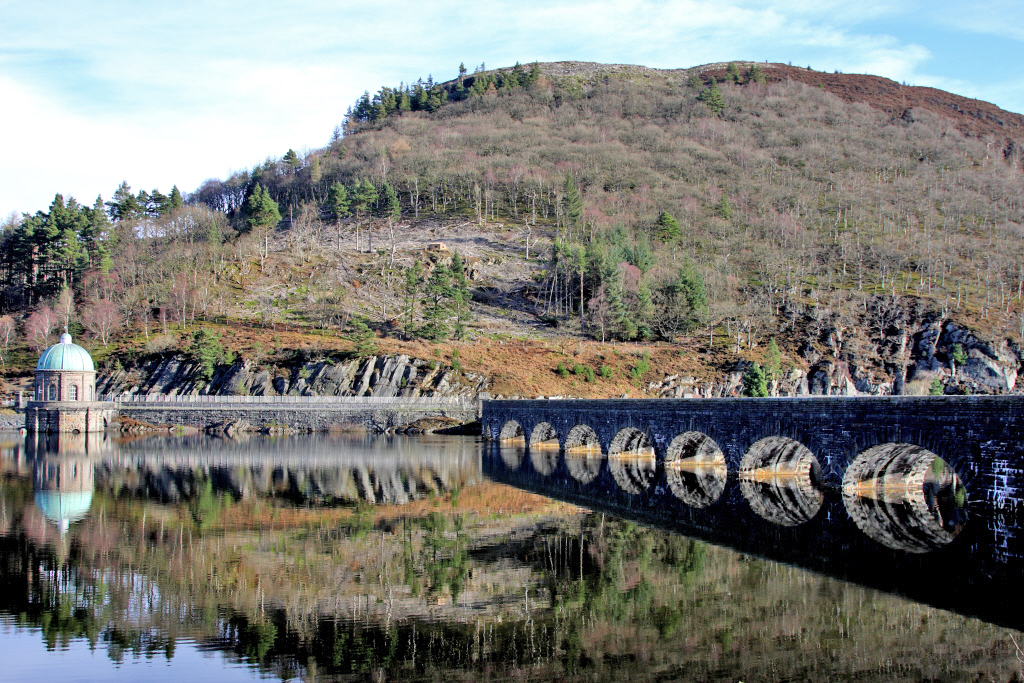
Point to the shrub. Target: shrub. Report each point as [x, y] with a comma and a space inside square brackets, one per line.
[561, 370]
[577, 369]
[605, 371]
[936, 388]
[588, 374]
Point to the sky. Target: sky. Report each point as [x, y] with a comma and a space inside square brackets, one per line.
[162, 94]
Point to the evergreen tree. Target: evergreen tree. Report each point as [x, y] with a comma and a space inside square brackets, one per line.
[773, 362]
[733, 72]
[124, 205]
[97, 238]
[668, 227]
[410, 290]
[292, 160]
[437, 305]
[460, 296]
[176, 199]
[337, 201]
[754, 382]
[391, 208]
[756, 75]
[363, 336]
[207, 352]
[723, 209]
[261, 212]
[712, 97]
[572, 202]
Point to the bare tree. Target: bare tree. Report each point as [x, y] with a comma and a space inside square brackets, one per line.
[39, 328]
[8, 330]
[102, 318]
[65, 306]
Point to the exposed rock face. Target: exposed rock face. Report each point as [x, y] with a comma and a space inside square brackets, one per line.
[384, 376]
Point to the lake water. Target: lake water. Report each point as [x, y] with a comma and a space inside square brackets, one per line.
[321, 558]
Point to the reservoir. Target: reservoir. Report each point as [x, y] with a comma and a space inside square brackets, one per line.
[392, 558]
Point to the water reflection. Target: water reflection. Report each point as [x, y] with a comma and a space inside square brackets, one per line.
[905, 497]
[466, 580]
[780, 479]
[583, 465]
[695, 469]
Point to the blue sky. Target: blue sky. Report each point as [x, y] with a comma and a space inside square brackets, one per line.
[173, 93]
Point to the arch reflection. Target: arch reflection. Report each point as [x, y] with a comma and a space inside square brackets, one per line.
[583, 466]
[695, 469]
[631, 460]
[779, 478]
[544, 460]
[905, 497]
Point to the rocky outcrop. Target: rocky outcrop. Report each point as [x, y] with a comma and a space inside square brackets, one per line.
[382, 376]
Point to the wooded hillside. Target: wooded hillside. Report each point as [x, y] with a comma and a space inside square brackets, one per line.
[612, 202]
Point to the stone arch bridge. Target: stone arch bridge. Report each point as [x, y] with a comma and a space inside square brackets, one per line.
[839, 442]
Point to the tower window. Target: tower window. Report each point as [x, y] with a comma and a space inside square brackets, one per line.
[74, 392]
[51, 393]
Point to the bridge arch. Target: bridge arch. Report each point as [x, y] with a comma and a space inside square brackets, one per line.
[512, 431]
[582, 438]
[630, 440]
[905, 497]
[695, 469]
[631, 460]
[543, 433]
[780, 478]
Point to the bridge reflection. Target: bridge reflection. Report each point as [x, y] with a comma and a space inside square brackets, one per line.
[344, 469]
[899, 523]
[901, 495]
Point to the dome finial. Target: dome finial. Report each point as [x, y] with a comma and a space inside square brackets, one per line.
[65, 338]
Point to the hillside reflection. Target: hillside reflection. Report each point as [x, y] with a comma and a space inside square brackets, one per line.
[429, 571]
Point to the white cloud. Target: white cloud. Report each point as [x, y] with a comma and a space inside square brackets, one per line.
[163, 93]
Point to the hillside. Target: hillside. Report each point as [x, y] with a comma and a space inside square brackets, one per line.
[599, 211]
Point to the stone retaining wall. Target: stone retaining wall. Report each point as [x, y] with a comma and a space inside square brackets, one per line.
[303, 417]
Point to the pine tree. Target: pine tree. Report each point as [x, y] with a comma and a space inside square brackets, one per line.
[261, 212]
[773, 362]
[124, 205]
[391, 208]
[572, 202]
[292, 160]
[437, 304]
[460, 296]
[337, 201]
[754, 382]
[733, 72]
[176, 199]
[363, 337]
[712, 97]
[668, 227]
[723, 209]
[410, 290]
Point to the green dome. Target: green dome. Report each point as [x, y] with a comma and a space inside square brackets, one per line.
[64, 507]
[65, 356]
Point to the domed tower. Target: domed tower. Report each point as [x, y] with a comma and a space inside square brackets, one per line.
[64, 396]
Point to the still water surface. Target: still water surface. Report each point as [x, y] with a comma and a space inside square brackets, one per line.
[425, 558]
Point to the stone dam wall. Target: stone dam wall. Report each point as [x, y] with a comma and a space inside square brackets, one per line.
[298, 413]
